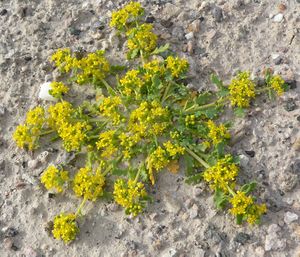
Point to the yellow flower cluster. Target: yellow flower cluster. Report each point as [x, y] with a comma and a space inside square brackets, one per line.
[152, 68]
[173, 149]
[176, 66]
[127, 142]
[58, 89]
[242, 90]
[190, 120]
[131, 84]
[54, 178]
[217, 133]
[108, 108]
[150, 118]
[88, 184]
[277, 83]
[130, 195]
[27, 135]
[142, 38]
[59, 113]
[125, 15]
[106, 143]
[222, 175]
[93, 67]
[65, 227]
[244, 205]
[63, 60]
[73, 135]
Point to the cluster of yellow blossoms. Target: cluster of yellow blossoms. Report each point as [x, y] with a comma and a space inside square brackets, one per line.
[58, 89]
[150, 118]
[106, 143]
[128, 141]
[131, 195]
[65, 227]
[190, 120]
[217, 133]
[276, 82]
[131, 84]
[222, 175]
[92, 68]
[26, 135]
[176, 66]
[242, 90]
[109, 108]
[244, 205]
[59, 113]
[142, 38]
[129, 13]
[54, 178]
[89, 184]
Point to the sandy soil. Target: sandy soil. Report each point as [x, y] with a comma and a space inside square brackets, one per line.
[226, 36]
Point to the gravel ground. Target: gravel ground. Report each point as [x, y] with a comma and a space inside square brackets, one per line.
[215, 36]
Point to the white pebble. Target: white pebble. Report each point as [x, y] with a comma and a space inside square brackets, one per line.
[44, 92]
[290, 217]
[278, 17]
[189, 36]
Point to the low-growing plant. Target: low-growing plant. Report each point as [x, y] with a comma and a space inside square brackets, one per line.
[142, 121]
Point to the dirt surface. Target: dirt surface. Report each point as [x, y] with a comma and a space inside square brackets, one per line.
[215, 36]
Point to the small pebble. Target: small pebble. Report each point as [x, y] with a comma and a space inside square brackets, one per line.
[278, 17]
[244, 160]
[166, 23]
[8, 243]
[281, 7]
[75, 31]
[32, 164]
[3, 12]
[194, 26]
[193, 212]
[190, 47]
[290, 105]
[290, 217]
[11, 232]
[189, 36]
[44, 92]
[217, 13]
[149, 19]
[295, 167]
[242, 238]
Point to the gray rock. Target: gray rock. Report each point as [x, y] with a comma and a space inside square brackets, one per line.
[170, 11]
[32, 164]
[178, 33]
[2, 110]
[290, 105]
[30, 252]
[172, 204]
[194, 26]
[244, 160]
[43, 157]
[193, 212]
[274, 243]
[190, 47]
[189, 36]
[287, 181]
[290, 217]
[295, 167]
[8, 243]
[217, 13]
[242, 238]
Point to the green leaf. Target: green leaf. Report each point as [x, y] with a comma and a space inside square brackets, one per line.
[239, 219]
[223, 92]
[160, 49]
[220, 199]
[215, 79]
[210, 112]
[239, 112]
[132, 54]
[189, 164]
[248, 188]
[204, 98]
[220, 149]
[156, 81]
[117, 68]
[194, 179]
[119, 172]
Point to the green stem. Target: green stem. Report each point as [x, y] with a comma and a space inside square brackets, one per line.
[108, 169]
[80, 207]
[166, 92]
[47, 132]
[195, 108]
[108, 87]
[197, 158]
[262, 90]
[137, 175]
[231, 191]
[142, 57]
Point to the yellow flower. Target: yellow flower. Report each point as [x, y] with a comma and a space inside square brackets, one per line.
[109, 108]
[217, 133]
[222, 175]
[73, 135]
[58, 89]
[176, 66]
[36, 117]
[63, 60]
[277, 83]
[65, 227]
[242, 90]
[152, 68]
[88, 184]
[94, 67]
[240, 202]
[54, 178]
[142, 38]
[128, 142]
[131, 84]
[129, 13]
[157, 160]
[130, 195]
[23, 137]
[254, 213]
[106, 143]
[59, 114]
[173, 149]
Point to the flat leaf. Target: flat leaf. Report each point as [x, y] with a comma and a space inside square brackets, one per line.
[160, 49]
[220, 199]
[204, 98]
[194, 179]
[247, 188]
[239, 219]
[239, 112]
[215, 79]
